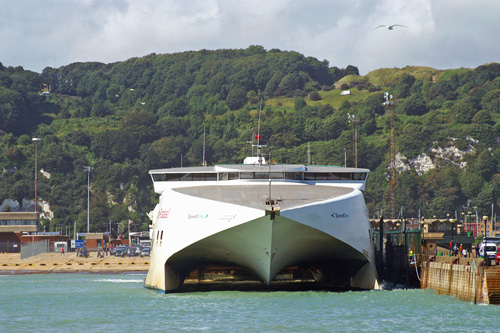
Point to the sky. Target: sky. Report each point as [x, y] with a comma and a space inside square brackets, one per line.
[442, 34]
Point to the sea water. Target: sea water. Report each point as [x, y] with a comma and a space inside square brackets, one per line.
[112, 303]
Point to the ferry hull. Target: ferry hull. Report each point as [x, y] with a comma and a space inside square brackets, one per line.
[330, 238]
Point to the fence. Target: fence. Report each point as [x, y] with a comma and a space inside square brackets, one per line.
[10, 247]
[33, 249]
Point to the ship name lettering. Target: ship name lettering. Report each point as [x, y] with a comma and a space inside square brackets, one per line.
[340, 216]
[163, 213]
[197, 216]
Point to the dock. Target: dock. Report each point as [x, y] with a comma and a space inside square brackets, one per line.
[51, 262]
[468, 279]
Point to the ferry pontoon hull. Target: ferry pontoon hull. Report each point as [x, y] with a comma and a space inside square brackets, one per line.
[320, 227]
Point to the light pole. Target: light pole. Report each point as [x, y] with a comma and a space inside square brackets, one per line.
[422, 223]
[452, 221]
[36, 140]
[398, 225]
[464, 221]
[485, 219]
[354, 121]
[469, 214]
[485, 255]
[88, 169]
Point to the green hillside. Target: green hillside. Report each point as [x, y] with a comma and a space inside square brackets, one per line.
[145, 113]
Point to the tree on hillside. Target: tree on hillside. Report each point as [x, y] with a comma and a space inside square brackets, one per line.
[12, 105]
[415, 105]
[236, 98]
[467, 109]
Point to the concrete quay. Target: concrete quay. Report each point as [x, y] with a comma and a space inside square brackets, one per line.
[11, 263]
[467, 279]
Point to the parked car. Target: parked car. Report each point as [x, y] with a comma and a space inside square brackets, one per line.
[121, 251]
[146, 251]
[132, 252]
[136, 250]
[497, 256]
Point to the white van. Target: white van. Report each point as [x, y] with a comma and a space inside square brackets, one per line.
[345, 92]
[490, 248]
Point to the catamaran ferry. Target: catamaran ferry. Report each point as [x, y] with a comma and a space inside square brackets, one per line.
[262, 218]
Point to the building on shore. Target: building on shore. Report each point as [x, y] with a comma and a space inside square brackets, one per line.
[13, 225]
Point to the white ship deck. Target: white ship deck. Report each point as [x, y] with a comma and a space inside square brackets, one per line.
[254, 196]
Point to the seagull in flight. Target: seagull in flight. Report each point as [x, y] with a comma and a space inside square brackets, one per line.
[390, 27]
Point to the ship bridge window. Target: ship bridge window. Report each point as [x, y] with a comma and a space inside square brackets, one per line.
[262, 175]
[346, 176]
[293, 175]
[186, 177]
[210, 176]
[228, 176]
[171, 177]
[321, 176]
[277, 175]
[358, 176]
[159, 177]
[197, 176]
[309, 176]
[333, 176]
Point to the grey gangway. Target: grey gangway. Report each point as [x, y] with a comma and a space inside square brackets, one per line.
[34, 248]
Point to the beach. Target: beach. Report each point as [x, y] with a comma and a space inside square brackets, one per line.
[11, 263]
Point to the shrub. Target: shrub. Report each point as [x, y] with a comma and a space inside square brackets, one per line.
[314, 96]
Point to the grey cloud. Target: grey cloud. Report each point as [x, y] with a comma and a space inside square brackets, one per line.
[441, 34]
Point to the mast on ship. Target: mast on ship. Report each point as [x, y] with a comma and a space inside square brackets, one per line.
[272, 208]
[204, 161]
[259, 147]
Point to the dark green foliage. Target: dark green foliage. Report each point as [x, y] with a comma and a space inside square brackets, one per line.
[415, 105]
[299, 104]
[236, 98]
[314, 96]
[11, 108]
[374, 102]
[292, 83]
[467, 109]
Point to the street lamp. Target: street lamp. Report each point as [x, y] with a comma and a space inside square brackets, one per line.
[36, 140]
[485, 219]
[452, 221]
[464, 222]
[469, 214]
[422, 223]
[88, 169]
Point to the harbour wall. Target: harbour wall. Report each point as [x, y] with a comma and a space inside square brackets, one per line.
[465, 278]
